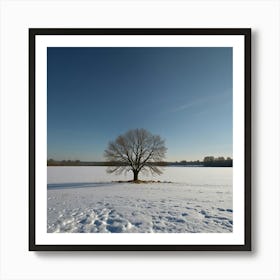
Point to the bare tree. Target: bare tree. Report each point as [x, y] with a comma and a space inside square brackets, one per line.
[136, 150]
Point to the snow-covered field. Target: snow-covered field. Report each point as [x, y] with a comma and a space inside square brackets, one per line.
[188, 199]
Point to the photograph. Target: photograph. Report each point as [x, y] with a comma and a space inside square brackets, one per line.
[138, 138]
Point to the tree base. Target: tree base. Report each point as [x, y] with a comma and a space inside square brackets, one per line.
[142, 181]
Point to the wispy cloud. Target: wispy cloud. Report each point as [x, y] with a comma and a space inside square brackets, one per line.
[189, 105]
[199, 102]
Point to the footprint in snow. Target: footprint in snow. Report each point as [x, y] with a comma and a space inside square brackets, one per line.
[203, 212]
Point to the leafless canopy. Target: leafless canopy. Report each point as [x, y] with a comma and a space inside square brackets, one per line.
[136, 150]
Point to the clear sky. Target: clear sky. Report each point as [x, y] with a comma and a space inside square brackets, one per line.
[182, 94]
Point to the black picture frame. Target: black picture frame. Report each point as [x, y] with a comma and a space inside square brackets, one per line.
[246, 32]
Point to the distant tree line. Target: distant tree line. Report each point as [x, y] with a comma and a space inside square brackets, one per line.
[211, 161]
[185, 163]
[208, 161]
[52, 162]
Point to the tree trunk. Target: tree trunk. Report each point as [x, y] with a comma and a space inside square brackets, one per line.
[135, 175]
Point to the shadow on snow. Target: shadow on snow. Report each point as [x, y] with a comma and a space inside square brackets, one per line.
[79, 185]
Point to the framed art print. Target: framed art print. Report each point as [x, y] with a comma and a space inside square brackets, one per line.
[140, 139]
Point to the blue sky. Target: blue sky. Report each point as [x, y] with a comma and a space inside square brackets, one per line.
[182, 94]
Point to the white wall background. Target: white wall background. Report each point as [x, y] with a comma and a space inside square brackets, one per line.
[17, 262]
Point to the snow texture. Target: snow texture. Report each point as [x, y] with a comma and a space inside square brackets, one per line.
[187, 199]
